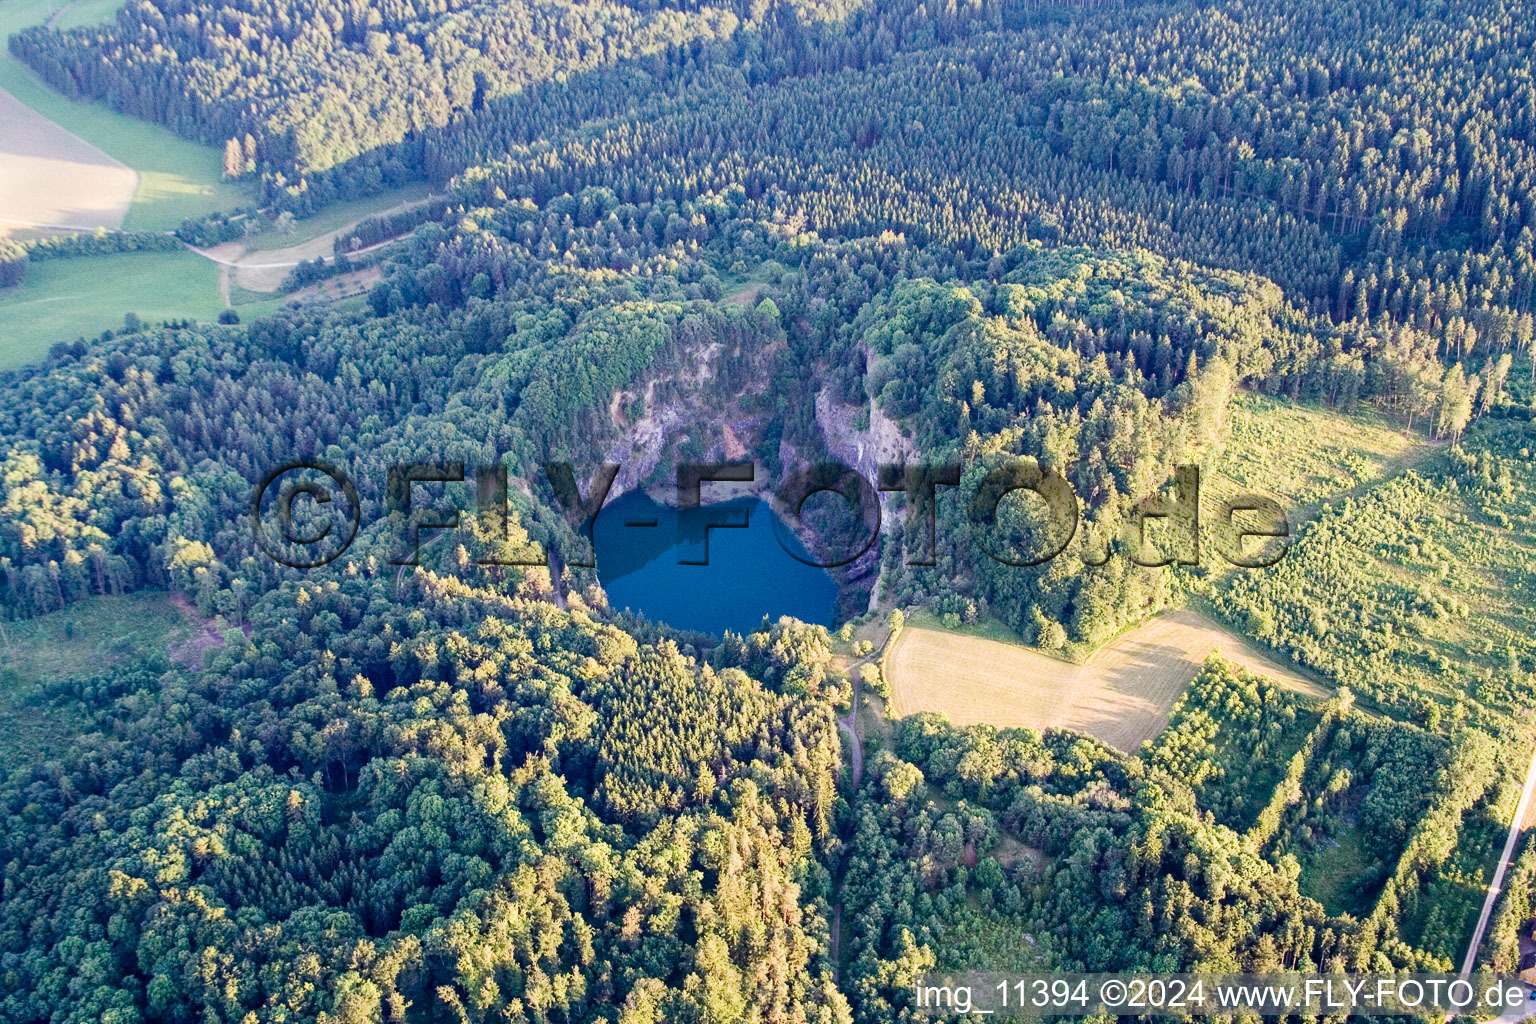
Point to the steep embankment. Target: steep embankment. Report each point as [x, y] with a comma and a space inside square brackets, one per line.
[864, 449]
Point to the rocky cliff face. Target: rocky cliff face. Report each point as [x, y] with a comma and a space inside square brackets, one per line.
[692, 412]
[687, 415]
[864, 448]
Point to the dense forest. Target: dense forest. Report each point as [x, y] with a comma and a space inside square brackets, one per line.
[1367, 175]
[402, 729]
[971, 233]
[373, 805]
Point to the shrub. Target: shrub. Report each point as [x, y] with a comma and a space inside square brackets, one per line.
[13, 263]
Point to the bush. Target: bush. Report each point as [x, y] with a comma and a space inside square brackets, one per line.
[213, 229]
[100, 242]
[13, 263]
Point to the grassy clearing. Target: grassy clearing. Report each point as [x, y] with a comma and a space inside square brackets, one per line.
[66, 299]
[93, 635]
[87, 12]
[83, 640]
[177, 178]
[1329, 873]
[1414, 592]
[875, 728]
[1488, 564]
[743, 286]
[978, 938]
[1121, 695]
[251, 305]
[1302, 455]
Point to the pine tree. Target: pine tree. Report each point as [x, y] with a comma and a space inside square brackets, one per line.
[234, 159]
[1455, 407]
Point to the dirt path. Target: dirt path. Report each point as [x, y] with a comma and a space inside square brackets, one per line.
[837, 943]
[53, 19]
[264, 270]
[849, 726]
[1121, 695]
[253, 270]
[207, 634]
[1497, 884]
[1412, 457]
[744, 294]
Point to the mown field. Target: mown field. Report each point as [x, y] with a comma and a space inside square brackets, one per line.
[82, 163]
[49, 176]
[68, 162]
[1121, 695]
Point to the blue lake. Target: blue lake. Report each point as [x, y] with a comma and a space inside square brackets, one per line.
[749, 574]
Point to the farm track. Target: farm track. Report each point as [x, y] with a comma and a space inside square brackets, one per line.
[255, 270]
[53, 19]
[1496, 884]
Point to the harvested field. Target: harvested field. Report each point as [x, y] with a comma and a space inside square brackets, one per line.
[1121, 695]
[50, 177]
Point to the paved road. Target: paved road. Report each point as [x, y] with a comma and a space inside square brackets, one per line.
[1497, 885]
[1517, 1015]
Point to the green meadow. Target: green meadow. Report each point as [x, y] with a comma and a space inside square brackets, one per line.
[66, 299]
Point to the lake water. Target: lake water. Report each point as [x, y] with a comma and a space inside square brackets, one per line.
[749, 574]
